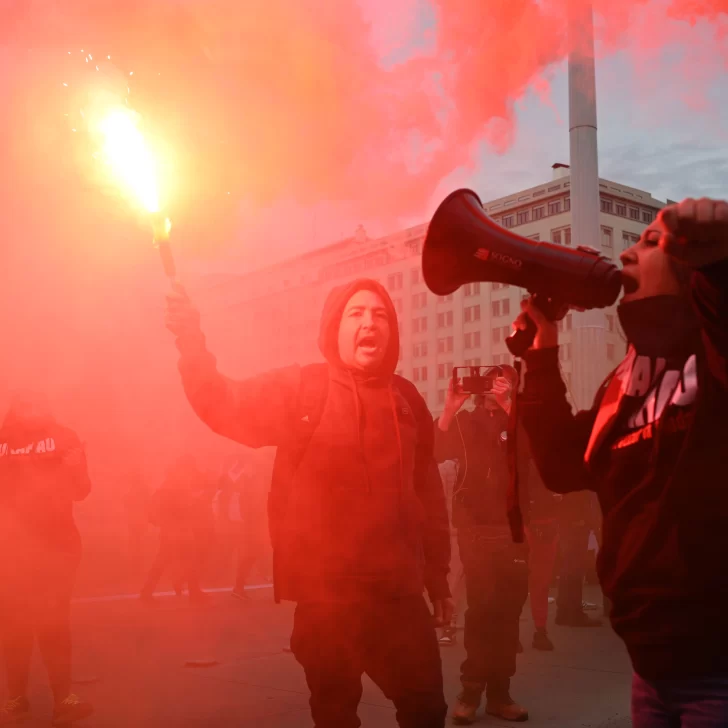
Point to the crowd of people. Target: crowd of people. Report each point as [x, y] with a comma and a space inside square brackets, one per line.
[361, 526]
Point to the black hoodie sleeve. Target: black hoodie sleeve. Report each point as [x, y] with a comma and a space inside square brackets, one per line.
[557, 437]
[76, 473]
[431, 493]
[710, 299]
[255, 412]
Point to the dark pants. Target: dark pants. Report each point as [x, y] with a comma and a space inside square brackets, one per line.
[496, 582]
[181, 553]
[393, 642]
[35, 602]
[574, 550]
[686, 703]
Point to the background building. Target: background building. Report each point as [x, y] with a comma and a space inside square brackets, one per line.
[271, 317]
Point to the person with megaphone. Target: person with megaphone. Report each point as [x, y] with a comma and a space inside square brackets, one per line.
[651, 449]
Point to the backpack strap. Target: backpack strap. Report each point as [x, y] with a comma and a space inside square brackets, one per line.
[312, 393]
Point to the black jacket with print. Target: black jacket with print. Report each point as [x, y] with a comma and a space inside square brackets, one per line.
[38, 486]
[652, 450]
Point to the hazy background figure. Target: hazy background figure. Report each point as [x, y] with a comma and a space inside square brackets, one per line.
[136, 507]
[43, 473]
[178, 509]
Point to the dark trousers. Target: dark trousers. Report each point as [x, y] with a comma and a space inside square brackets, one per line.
[681, 703]
[35, 604]
[496, 582]
[179, 553]
[574, 550]
[392, 641]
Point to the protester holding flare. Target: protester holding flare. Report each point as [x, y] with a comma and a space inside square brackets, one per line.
[357, 511]
[42, 473]
[652, 449]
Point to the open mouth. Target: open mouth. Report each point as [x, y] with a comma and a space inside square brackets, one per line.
[368, 344]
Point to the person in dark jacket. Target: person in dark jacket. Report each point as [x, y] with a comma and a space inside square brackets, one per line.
[496, 570]
[364, 529]
[42, 474]
[652, 450]
[178, 509]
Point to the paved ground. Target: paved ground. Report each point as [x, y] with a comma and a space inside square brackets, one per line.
[130, 662]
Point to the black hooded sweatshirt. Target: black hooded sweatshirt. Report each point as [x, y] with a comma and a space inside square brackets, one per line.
[653, 449]
[37, 488]
[366, 515]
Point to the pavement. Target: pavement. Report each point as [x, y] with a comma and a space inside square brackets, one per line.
[226, 664]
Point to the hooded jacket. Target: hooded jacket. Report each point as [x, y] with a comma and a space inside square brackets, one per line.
[38, 488]
[366, 515]
[652, 448]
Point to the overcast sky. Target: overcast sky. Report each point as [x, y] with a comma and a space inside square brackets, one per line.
[663, 127]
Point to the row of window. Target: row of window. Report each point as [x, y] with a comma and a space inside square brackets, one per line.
[445, 319]
[535, 213]
[613, 207]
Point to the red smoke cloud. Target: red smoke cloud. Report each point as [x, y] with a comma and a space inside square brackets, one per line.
[280, 98]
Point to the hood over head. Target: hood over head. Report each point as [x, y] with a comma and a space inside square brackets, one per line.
[331, 320]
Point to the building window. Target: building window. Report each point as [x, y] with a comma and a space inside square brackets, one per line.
[394, 281]
[535, 237]
[472, 313]
[444, 371]
[554, 208]
[506, 306]
[419, 349]
[444, 319]
[621, 209]
[565, 352]
[508, 221]
[634, 213]
[523, 217]
[415, 276]
[441, 396]
[419, 324]
[472, 340]
[472, 289]
[496, 335]
[607, 241]
[495, 308]
[445, 345]
[607, 206]
[556, 237]
[445, 299]
[538, 213]
[498, 286]
[610, 351]
[567, 204]
[473, 362]
[565, 323]
[419, 300]
[507, 331]
[628, 240]
[610, 322]
[647, 216]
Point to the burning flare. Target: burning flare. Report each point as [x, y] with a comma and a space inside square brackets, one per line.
[127, 153]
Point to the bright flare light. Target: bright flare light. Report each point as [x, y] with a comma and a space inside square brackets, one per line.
[129, 157]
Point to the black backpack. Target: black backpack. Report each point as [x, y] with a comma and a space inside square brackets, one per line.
[311, 401]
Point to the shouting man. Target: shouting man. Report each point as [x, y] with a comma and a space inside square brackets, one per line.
[357, 510]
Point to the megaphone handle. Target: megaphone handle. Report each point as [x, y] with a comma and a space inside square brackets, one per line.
[519, 342]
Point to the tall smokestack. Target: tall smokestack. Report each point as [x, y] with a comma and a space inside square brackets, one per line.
[589, 355]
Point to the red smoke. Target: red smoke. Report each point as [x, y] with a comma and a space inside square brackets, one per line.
[274, 98]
